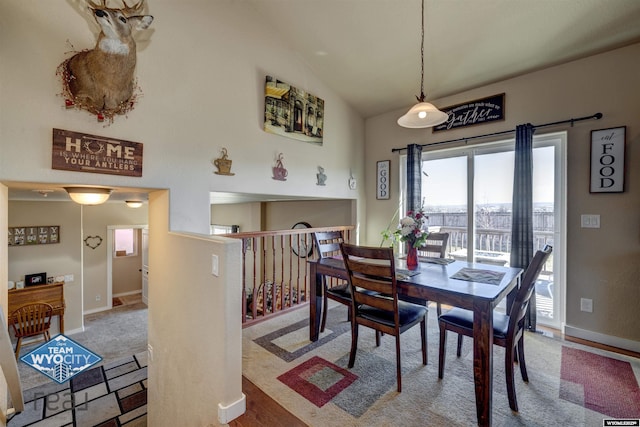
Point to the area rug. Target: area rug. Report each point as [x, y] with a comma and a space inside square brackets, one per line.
[312, 381]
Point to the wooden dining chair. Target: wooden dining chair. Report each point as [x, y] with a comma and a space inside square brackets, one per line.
[375, 304]
[31, 320]
[328, 245]
[435, 247]
[508, 329]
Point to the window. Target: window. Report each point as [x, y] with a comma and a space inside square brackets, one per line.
[125, 242]
[468, 193]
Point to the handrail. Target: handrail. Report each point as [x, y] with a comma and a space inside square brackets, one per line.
[10, 367]
[275, 275]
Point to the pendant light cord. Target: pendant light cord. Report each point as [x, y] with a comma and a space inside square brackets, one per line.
[421, 97]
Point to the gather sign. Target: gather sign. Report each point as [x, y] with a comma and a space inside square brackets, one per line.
[74, 151]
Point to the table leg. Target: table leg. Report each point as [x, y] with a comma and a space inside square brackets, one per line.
[315, 303]
[483, 360]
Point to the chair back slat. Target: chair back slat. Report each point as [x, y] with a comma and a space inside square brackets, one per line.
[31, 319]
[435, 246]
[527, 286]
[328, 243]
[371, 273]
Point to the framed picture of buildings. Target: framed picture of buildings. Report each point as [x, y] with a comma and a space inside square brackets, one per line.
[34, 235]
[292, 112]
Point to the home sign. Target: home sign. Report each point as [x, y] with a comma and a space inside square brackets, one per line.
[74, 151]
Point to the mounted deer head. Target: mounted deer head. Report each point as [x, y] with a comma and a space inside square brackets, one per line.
[101, 80]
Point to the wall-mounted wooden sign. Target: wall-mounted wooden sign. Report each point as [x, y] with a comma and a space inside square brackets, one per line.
[34, 235]
[73, 151]
[475, 112]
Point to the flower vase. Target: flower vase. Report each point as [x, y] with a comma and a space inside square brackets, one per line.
[412, 257]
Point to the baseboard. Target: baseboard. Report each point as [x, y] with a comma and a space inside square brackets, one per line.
[96, 310]
[622, 343]
[124, 294]
[74, 331]
[232, 411]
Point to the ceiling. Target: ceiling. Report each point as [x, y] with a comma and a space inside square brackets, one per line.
[368, 51]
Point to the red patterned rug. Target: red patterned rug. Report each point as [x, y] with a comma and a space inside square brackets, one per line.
[599, 383]
[318, 380]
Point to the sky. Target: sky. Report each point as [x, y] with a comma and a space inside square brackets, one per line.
[447, 178]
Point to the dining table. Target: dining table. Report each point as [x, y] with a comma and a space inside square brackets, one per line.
[474, 286]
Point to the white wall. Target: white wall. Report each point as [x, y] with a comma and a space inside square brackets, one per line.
[195, 329]
[201, 69]
[602, 264]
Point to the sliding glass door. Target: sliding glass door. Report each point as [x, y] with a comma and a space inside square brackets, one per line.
[468, 193]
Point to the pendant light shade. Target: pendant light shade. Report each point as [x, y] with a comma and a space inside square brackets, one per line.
[88, 195]
[423, 114]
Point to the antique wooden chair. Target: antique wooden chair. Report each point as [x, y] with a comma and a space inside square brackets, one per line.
[30, 320]
[375, 304]
[508, 329]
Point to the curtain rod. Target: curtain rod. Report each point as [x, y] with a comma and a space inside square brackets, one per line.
[596, 116]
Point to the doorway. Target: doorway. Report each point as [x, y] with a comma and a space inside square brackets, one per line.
[127, 255]
[467, 192]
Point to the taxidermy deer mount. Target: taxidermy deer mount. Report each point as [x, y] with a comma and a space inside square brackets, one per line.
[101, 80]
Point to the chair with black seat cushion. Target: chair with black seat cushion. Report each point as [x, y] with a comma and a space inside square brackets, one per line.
[435, 247]
[30, 320]
[375, 304]
[328, 245]
[508, 329]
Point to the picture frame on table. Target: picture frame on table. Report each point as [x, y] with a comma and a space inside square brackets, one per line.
[607, 160]
[383, 189]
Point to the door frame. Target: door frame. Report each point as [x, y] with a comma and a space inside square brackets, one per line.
[110, 229]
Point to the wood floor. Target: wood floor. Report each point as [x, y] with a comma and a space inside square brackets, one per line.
[263, 411]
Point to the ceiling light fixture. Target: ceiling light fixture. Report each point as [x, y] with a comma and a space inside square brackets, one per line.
[88, 195]
[423, 114]
[133, 203]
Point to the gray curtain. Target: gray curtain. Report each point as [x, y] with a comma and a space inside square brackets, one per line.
[522, 219]
[414, 177]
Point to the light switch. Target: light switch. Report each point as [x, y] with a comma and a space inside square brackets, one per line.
[590, 221]
[214, 265]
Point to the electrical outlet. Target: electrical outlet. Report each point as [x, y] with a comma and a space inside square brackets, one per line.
[68, 278]
[586, 304]
[98, 298]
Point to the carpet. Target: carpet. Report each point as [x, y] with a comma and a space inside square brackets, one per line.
[312, 381]
[110, 395]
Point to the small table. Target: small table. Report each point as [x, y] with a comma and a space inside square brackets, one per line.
[434, 283]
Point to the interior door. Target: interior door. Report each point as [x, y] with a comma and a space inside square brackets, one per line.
[145, 266]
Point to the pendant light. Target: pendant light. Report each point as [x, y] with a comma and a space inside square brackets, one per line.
[423, 114]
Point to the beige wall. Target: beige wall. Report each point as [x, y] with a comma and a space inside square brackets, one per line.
[194, 324]
[127, 277]
[283, 215]
[96, 219]
[602, 264]
[64, 258]
[4, 201]
[246, 215]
